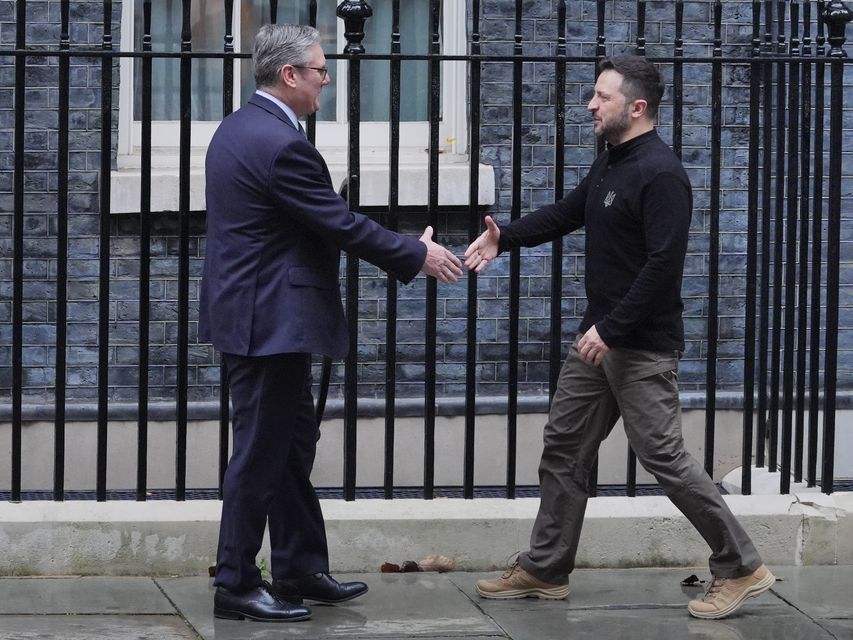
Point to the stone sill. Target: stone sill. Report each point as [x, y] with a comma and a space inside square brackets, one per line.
[367, 407]
[454, 174]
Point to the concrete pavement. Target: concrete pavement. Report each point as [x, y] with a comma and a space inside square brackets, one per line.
[813, 602]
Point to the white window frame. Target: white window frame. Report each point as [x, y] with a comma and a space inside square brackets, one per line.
[331, 136]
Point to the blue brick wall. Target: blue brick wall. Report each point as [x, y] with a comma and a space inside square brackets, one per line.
[539, 33]
[40, 161]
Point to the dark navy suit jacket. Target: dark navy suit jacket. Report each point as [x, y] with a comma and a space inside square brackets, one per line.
[275, 228]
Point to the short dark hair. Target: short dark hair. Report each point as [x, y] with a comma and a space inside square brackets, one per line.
[640, 80]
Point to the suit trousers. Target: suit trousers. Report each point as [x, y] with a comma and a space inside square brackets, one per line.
[642, 387]
[268, 474]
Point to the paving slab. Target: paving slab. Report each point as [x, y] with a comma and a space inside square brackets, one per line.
[82, 595]
[604, 603]
[414, 605]
[820, 592]
[838, 628]
[552, 623]
[92, 627]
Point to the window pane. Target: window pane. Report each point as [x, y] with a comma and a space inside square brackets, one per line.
[376, 74]
[208, 32]
[256, 13]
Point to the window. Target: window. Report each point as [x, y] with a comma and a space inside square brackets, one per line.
[208, 31]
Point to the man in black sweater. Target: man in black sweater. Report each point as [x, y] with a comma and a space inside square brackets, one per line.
[635, 205]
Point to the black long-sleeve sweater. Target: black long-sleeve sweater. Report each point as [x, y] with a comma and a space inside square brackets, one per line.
[635, 205]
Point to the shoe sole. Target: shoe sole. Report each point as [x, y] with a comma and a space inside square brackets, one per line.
[226, 614]
[290, 598]
[338, 601]
[543, 594]
[755, 590]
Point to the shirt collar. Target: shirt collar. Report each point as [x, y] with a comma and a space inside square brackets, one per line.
[287, 110]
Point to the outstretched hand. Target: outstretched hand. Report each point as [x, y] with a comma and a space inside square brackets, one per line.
[440, 263]
[484, 249]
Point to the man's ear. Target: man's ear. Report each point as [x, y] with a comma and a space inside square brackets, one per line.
[287, 75]
[638, 108]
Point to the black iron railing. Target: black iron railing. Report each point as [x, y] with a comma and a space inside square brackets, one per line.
[790, 326]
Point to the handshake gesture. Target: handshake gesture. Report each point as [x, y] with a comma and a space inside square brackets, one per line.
[445, 267]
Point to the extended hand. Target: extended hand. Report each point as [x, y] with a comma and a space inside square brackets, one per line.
[440, 263]
[592, 348]
[485, 248]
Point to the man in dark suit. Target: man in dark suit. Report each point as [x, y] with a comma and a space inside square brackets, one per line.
[269, 299]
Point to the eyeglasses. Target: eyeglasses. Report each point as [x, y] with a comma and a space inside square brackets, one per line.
[324, 71]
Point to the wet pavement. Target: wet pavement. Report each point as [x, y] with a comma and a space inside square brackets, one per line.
[808, 603]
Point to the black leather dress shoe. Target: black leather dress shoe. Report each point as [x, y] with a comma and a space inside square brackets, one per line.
[259, 603]
[320, 587]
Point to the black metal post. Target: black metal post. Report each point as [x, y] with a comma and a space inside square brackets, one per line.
[555, 352]
[433, 111]
[183, 254]
[778, 241]
[104, 254]
[791, 250]
[751, 254]
[678, 80]
[766, 221]
[714, 242]
[836, 15]
[817, 253]
[61, 258]
[18, 249]
[391, 223]
[227, 108]
[514, 259]
[353, 13]
[473, 230]
[144, 261]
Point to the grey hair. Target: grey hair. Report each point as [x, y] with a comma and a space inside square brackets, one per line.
[279, 44]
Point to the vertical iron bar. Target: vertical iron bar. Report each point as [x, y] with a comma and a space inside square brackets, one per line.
[273, 11]
[183, 254]
[473, 231]
[353, 14]
[791, 246]
[766, 181]
[817, 250]
[678, 81]
[61, 257]
[600, 52]
[311, 120]
[391, 282]
[144, 261]
[514, 260]
[751, 254]
[640, 50]
[714, 242]
[227, 108]
[104, 269]
[641, 28]
[837, 16]
[433, 114]
[803, 298]
[779, 241]
[555, 352]
[18, 250]
[592, 488]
